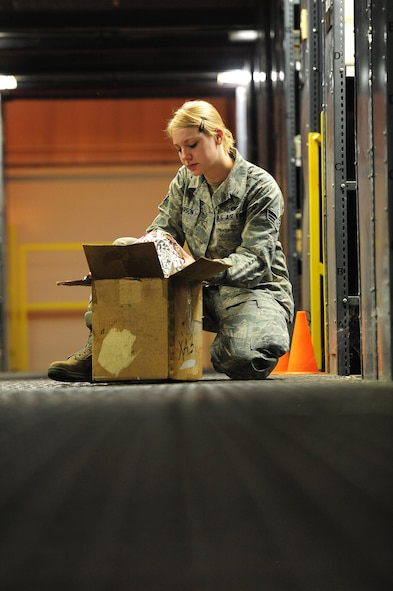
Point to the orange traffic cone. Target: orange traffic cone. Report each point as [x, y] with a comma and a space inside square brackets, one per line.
[302, 356]
[282, 365]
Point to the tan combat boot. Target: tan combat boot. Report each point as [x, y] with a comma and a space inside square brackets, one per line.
[77, 368]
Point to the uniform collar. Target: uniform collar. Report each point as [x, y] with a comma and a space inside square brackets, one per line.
[234, 184]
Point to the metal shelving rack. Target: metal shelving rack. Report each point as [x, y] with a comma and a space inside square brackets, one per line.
[336, 187]
[374, 130]
[291, 130]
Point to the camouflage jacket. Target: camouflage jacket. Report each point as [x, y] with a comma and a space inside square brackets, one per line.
[238, 223]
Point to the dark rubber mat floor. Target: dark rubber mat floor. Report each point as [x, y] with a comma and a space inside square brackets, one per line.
[218, 485]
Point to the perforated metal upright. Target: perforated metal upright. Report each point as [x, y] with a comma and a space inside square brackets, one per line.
[291, 130]
[374, 95]
[3, 325]
[336, 186]
[314, 64]
[312, 166]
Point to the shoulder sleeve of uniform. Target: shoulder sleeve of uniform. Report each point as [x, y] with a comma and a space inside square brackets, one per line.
[169, 214]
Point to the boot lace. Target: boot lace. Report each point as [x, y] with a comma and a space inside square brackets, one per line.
[84, 353]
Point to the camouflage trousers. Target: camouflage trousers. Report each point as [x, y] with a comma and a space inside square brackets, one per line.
[252, 331]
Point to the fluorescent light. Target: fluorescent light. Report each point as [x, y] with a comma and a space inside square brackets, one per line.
[8, 82]
[237, 77]
[259, 76]
[244, 35]
[274, 76]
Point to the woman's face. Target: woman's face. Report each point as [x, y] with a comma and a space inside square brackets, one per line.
[200, 153]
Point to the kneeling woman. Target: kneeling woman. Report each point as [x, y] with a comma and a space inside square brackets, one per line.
[226, 208]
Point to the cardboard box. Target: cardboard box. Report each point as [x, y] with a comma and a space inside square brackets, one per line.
[145, 327]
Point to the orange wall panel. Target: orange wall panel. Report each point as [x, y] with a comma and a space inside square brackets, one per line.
[78, 132]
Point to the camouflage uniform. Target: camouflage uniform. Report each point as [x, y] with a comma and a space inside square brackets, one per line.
[250, 304]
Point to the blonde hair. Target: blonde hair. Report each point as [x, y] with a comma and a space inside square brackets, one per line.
[205, 118]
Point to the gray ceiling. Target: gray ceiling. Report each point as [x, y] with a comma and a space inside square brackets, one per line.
[60, 48]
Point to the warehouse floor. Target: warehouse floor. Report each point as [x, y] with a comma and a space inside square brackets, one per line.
[217, 485]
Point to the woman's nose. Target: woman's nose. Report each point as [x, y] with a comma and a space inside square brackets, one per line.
[185, 155]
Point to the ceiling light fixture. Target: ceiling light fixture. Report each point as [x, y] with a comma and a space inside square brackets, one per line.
[235, 77]
[8, 82]
[243, 35]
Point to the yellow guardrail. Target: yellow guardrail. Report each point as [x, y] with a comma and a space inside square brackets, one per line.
[19, 307]
[317, 264]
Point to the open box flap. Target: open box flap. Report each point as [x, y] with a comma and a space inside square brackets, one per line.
[109, 261]
[201, 270]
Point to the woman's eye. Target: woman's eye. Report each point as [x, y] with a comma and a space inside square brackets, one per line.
[190, 146]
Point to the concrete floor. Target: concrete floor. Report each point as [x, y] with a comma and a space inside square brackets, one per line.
[217, 485]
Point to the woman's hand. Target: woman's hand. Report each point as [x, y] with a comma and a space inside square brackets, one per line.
[156, 234]
[187, 258]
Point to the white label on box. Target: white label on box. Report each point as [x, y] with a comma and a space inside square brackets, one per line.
[188, 364]
[116, 351]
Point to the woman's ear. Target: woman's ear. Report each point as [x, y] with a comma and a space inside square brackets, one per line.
[219, 135]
